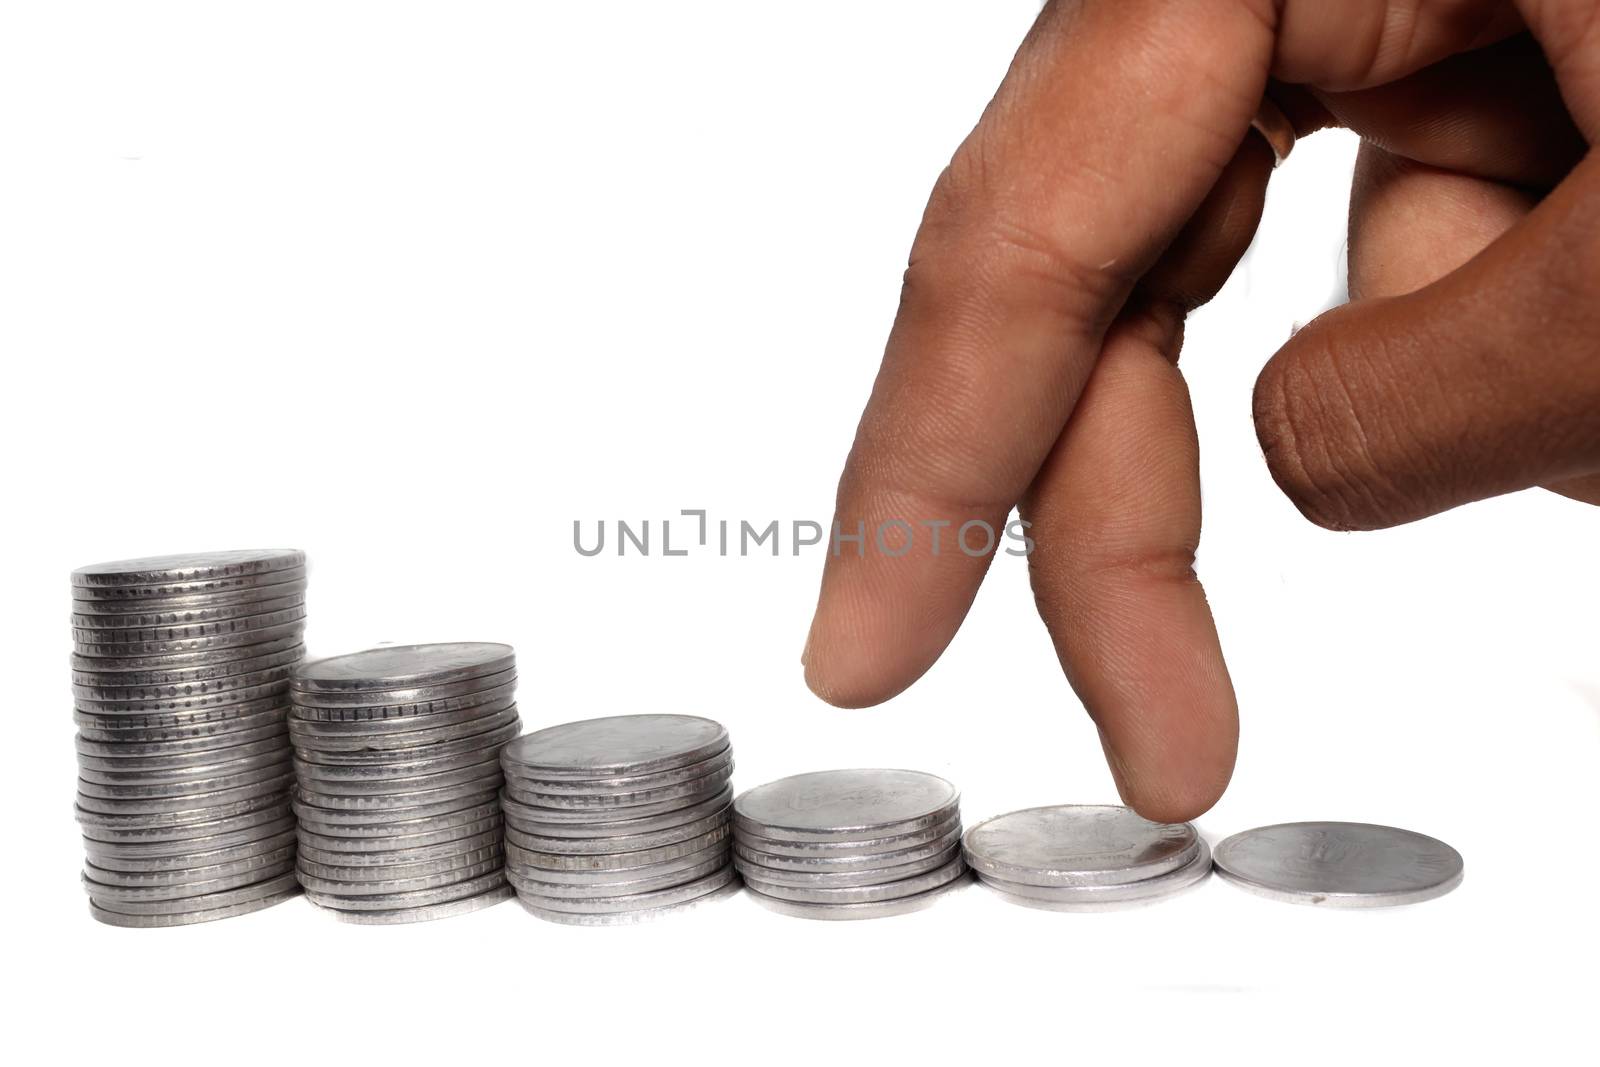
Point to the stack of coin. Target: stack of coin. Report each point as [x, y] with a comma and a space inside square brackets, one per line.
[1085, 857]
[397, 753]
[180, 680]
[856, 844]
[619, 820]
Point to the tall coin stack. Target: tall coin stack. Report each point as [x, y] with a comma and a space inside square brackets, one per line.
[619, 820]
[180, 682]
[397, 751]
[1085, 857]
[856, 844]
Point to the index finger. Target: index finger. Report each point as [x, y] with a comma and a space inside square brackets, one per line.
[1113, 124]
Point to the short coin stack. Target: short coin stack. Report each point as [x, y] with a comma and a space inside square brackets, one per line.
[854, 844]
[619, 820]
[1085, 857]
[180, 682]
[397, 752]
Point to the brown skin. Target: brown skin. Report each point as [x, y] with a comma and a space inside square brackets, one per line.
[1109, 189]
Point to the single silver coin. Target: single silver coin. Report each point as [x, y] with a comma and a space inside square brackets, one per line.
[424, 874]
[137, 859]
[186, 675]
[1078, 844]
[426, 913]
[189, 567]
[580, 848]
[532, 859]
[880, 909]
[659, 898]
[437, 709]
[589, 787]
[395, 833]
[614, 805]
[405, 855]
[630, 918]
[845, 805]
[412, 899]
[1339, 864]
[182, 877]
[294, 584]
[619, 746]
[532, 821]
[190, 918]
[847, 850]
[862, 894]
[189, 616]
[1083, 898]
[405, 667]
[855, 861]
[662, 872]
[860, 876]
[201, 902]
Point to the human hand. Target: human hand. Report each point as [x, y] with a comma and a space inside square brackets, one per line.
[1110, 188]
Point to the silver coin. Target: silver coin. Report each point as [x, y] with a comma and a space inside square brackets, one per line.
[154, 851]
[185, 726]
[659, 898]
[610, 786]
[182, 661]
[589, 893]
[191, 747]
[190, 918]
[178, 761]
[620, 746]
[530, 820]
[133, 898]
[584, 848]
[610, 816]
[183, 877]
[396, 833]
[182, 836]
[388, 698]
[863, 894]
[375, 745]
[401, 726]
[223, 585]
[372, 881]
[857, 872]
[213, 693]
[412, 899]
[420, 714]
[378, 826]
[141, 859]
[379, 778]
[845, 805]
[222, 764]
[110, 635]
[662, 872]
[397, 769]
[531, 859]
[189, 567]
[291, 587]
[127, 650]
[506, 728]
[630, 918]
[187, 617]
[845, 850]
[401, 857]
[613, 805]
[200, 902]
[405, 666]
[120, 817]
[154, 800]
[868, 877]
[257, 770]
[1078, 844]
[183, 675]
[254, 695]
[397, 793]
[425, 913]
[314, 808]
[1076, 898]
[1340, 864]
[881, 909]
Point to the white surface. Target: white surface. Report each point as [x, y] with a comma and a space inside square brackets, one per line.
[413, 287]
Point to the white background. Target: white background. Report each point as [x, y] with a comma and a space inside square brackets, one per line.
[413, 287]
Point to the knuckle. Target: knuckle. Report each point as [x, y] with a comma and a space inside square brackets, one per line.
[1319, 445]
